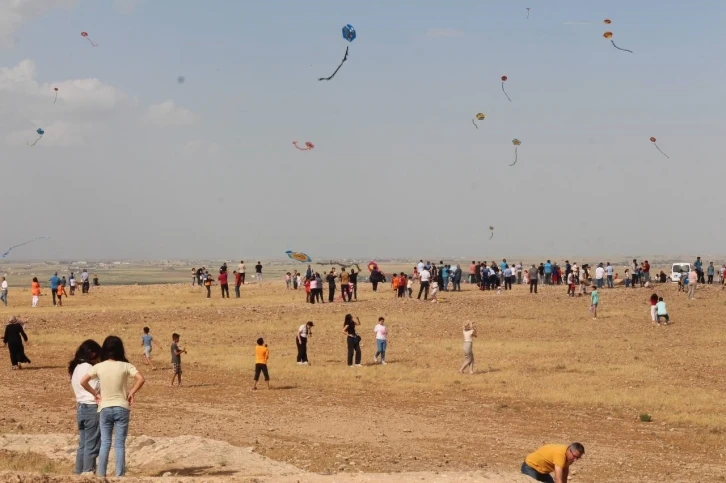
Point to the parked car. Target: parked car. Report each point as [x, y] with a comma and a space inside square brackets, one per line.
[678, 270]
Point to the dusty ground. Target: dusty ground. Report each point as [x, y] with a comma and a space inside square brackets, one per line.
[547, 373]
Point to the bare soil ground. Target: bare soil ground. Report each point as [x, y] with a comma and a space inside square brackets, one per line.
[546, 372]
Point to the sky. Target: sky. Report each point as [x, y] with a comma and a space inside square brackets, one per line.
[135, 165]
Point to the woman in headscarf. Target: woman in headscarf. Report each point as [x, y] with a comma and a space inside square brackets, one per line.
[13, 338]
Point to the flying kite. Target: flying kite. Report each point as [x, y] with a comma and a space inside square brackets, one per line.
[349, 35]
[341, 264]
[308, 146]
[607, 21]
[4, 255]
[652, 140]
[504, 79]
[40, 135]
[299, 256]
[372, 266]
[85, 34]
[56, 94]
[479, 117]
[516, 143]
[527, 13]
[180, 79]
[491, 228]
[609, 36]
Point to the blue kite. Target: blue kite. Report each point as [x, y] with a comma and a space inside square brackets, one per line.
[40, 135]
[349, 35]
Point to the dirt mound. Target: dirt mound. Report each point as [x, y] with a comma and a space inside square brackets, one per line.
[200, 460]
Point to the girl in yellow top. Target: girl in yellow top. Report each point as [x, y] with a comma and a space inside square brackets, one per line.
[262, 354]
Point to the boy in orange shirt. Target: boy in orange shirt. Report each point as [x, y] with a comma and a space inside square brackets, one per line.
[394, 285]
[60, 292]
[262, 354]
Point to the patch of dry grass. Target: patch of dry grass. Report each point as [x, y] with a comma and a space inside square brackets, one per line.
[30, 462]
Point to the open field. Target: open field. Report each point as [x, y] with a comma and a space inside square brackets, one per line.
[546, 373]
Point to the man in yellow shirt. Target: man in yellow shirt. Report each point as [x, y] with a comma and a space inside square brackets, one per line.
[552, 458]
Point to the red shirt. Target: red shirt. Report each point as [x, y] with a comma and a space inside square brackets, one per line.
[238, 278]
[222, 278]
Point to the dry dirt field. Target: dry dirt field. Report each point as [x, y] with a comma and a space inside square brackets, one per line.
[546, 372]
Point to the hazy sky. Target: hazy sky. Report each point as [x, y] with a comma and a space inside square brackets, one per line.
[135, 165]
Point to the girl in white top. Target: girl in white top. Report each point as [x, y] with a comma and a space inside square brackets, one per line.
[89, 438]
[381, 331]
[469, 333]
[409, 286]
[434, 291]
[115, 401]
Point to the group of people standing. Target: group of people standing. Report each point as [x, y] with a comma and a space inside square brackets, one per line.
[201, 277]
[313, 284]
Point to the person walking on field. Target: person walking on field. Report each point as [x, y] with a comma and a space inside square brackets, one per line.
[262, 355]
[13, 338]
[552, 458]
[241, 270]
[4, 292]
[54, 282]
[469, 333]
[352, 339]
[35, 291]
[331, 285]
[381, 332]
[258, 272]
[424, 280]
[692, 282]
[223, 282]
[533, 274]
[345, 284]
[237, 283]
[303, 332]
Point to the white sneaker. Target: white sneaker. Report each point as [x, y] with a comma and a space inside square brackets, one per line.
[299, 363]
[375, 360]
[358, 365]
[383, 362]
[303, 363]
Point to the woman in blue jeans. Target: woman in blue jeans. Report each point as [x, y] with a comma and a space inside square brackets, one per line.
[87, 355]
[115, 400]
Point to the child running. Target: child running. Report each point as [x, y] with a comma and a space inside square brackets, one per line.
[262, 354]
[662, 311]
[146, 342]
[176, 353]
[595, 298]
[61, 291]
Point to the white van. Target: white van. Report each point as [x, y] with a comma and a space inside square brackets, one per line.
[678, 270]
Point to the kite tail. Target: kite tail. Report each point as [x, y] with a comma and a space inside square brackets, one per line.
[345, 57]
[492, 236]
[472, 121]
[89, 39]
[527, 14]
[56, 98]
[515, 156]
[661, 151]
[505, 92]
[626, 50]
[34, 142]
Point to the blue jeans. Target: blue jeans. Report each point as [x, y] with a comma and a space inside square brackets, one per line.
[117, 417]
[381, 349]
[599, 282]
[4, 297]
[531, 472]
[89, 438]
[446, 284]
[610, 281]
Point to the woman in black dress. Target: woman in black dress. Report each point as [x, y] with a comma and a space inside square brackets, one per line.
[13, 338]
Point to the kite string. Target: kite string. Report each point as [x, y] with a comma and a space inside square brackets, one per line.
[661, 151]
[626, 50]
[505, 92]
[515, 156]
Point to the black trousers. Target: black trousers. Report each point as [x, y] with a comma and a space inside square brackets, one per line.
[353, 346]
[507, 283]
[355, 291]
[401, 292]
[54, 293]
[533, 286]
[375, 286]
[209, 291]
[319, 295]
[331, 293]
[225, 289]
[261, 368]
[243, 278]
[302, 349]
[345, 289]
[710, 279]
[425, 289]
[17, 354]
